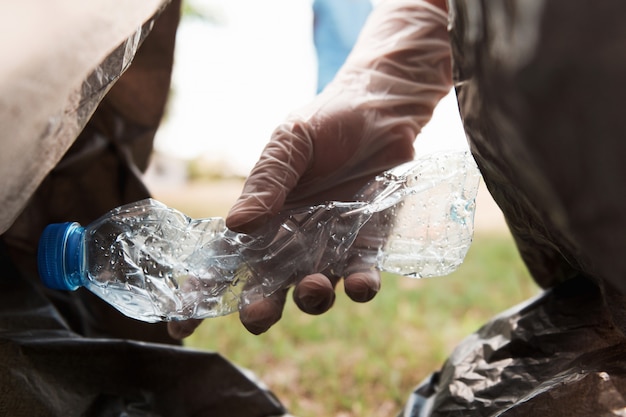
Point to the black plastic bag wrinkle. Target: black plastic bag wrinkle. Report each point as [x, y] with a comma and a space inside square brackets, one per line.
[540, 86]
[121, 376]
[556, 355]
[546, 127]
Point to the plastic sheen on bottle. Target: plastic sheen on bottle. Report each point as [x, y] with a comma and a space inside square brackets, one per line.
[153, 263]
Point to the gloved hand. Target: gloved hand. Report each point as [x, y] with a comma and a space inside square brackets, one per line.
[363, 123]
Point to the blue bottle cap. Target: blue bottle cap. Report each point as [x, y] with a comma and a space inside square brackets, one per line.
[59, 256]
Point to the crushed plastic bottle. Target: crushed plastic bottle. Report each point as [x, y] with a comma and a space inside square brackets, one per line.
[153, 263]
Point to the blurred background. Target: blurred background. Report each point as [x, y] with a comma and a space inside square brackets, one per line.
[241, 66]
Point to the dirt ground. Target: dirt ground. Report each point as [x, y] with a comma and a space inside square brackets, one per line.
[207, 199]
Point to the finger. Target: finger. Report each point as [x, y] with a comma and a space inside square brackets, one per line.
[277, 172]
[182, 329]
[315, 294]
[362, 286]
[259, 314]
[361, 278]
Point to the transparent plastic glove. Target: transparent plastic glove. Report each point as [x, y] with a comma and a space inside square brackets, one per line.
[363, 123]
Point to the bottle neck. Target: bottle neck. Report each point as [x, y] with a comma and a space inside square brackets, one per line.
[74, 256]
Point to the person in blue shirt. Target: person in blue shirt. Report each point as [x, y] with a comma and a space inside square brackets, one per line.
[336, 27]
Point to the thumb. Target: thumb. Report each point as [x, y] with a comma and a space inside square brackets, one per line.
[282, 163]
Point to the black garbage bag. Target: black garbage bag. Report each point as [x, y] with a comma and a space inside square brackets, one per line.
[540, 86]
[71, 354]
[556, 355]
[47, 369]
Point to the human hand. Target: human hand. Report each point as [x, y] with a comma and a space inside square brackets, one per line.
[363, 123]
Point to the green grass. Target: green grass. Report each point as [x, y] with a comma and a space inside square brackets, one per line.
[364, 359]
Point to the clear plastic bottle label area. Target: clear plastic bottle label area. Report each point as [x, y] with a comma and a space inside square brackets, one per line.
[154, 263]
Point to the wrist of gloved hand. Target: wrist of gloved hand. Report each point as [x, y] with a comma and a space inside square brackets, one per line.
[402, 57]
